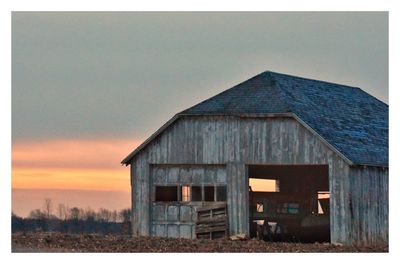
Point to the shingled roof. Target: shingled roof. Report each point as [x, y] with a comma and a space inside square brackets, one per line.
[353, 122]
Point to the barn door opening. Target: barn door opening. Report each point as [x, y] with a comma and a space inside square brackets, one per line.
[289, 202]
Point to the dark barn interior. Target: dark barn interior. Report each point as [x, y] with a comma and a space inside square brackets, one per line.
[296, 209]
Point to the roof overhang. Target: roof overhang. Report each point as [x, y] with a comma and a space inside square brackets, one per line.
[127, 159]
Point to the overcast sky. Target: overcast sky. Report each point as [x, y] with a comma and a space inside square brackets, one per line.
[122, 75]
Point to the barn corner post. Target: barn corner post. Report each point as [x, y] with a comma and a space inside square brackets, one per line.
[238, 204]
[134, 201]
[146, 201]
[331, 215]
[339, 202]
[247, 201]
[140, 197]
[133, 219]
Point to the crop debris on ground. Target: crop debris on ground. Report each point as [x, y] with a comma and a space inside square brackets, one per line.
[59, 242]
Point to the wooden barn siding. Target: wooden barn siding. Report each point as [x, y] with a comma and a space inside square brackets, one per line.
[236, 142]
[369, 205]
[237, 197]
[140, 197]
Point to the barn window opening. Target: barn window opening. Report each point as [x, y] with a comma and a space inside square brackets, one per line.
[166, 193]
[209, 193]
[221, 193]
[196, 194]
[185, 191]
[260, 207]
[323, 202]
[323, 194]
[264, 185]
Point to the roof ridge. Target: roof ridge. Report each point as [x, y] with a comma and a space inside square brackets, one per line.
[309, 79]
[279, 90]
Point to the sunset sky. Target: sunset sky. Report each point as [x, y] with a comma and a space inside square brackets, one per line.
[87, 88]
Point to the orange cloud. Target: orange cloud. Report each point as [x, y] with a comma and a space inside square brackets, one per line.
[71, 164]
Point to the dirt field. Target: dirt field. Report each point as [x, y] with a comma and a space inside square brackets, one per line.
[57, 242]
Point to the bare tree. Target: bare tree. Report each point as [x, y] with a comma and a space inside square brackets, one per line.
[114, 216]
[67, 212]
[81, 214]
[61, 210]
[89, 214]
[47, 207]
[125, 215]
[74, 213]
[37, 214]
[104, 215]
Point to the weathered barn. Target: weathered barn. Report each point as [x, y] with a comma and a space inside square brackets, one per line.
[323, 145]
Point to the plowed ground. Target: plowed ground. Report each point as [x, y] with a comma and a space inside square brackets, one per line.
[58, 242]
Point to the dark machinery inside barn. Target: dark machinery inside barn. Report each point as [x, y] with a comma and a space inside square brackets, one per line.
[297, 210]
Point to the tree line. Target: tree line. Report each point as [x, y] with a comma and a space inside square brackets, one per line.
[64, 219]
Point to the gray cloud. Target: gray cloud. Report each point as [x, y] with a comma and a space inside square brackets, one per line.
[124, 74]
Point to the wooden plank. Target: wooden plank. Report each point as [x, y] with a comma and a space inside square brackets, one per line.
[173, 213]
[185, 213]
[173, 230]
[185, 231]
[210, 229]
[221, 218]
[214, 205]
